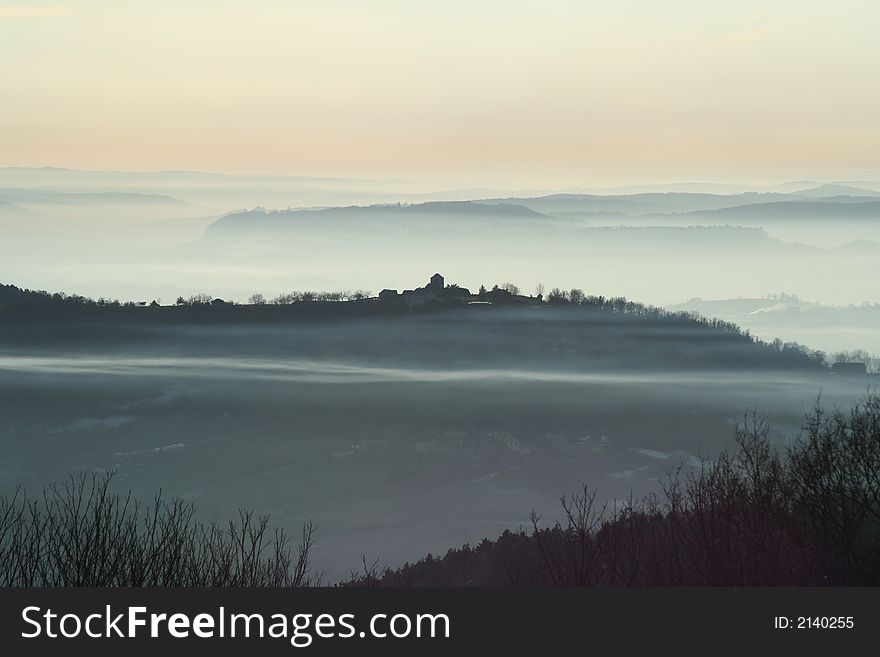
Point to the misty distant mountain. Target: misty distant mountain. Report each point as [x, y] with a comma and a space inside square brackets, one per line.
[78, 213]
[724, 308]
[859, 247]
[823, 326]
[736, 310]
[17, 219]
[8, 208]
[724, 205]
[88, 227]
[224, 192]
[228, 192]
[260, 221]
[830, 209]
[476, 229]
[830, 189]
[641, 204]
[39, 196]
[83, 208]
[66, 178]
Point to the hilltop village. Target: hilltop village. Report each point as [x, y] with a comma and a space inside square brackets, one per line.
[436, 291]
[28, 316]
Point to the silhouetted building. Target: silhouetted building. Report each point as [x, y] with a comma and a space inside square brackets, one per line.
[498, 294]
[454, 292]
[418, 298]
[435, 290]
[850, 369]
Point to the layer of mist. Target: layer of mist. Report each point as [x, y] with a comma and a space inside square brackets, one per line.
[399, 430]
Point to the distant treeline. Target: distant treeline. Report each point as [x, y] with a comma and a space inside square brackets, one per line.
[15, 298]
[808, 515]
[27, 306]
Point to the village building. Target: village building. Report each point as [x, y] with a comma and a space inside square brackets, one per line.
[850, 369]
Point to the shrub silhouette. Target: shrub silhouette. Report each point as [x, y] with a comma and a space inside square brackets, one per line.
[82, 534]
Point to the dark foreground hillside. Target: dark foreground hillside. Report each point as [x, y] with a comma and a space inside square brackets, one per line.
[756, 516]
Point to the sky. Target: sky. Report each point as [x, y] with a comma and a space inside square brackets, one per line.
[545, 92]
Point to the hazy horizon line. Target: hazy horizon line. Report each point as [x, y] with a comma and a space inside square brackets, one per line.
[540, 181]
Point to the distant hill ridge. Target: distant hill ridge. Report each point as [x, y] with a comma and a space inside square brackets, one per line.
[52, 196]
[568, 329]
[824, 201]
[816, 209]
[261, 218]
